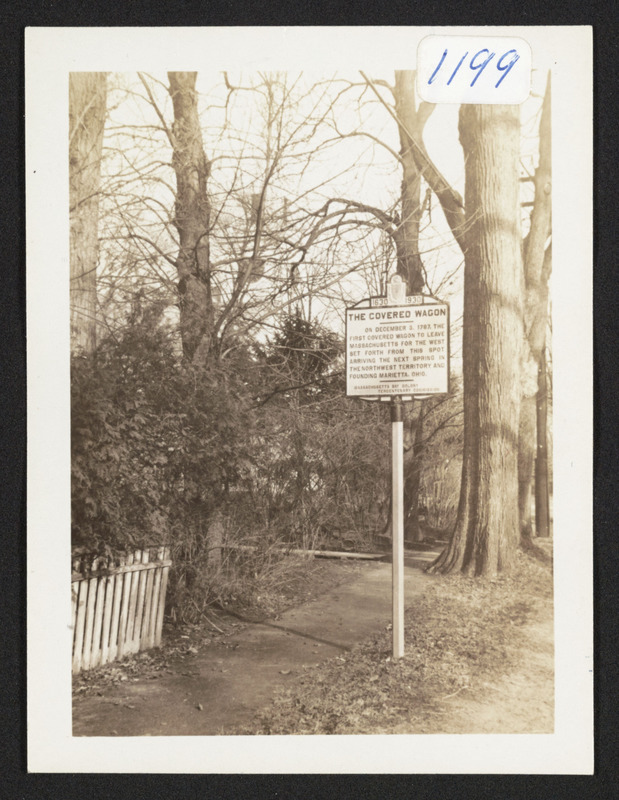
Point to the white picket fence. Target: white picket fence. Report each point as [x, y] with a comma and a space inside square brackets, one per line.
[117, 607]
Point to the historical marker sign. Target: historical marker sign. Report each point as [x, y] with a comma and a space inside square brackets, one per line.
[397, 350]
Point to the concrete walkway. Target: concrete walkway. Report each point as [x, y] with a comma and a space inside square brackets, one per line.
[226, 683]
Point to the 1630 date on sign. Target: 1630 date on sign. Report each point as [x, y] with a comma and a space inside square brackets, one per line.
[473, 69]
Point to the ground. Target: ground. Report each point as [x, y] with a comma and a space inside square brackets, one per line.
[478, 659]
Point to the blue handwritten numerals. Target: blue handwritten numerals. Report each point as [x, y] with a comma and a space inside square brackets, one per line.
[473, 69]
[478, 66]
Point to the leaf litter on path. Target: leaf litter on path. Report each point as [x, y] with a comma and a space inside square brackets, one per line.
[461, 635]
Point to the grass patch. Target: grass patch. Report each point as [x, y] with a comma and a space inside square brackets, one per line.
[461, 633]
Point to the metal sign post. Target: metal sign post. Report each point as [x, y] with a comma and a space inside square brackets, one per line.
[397, 349]
[397, 525]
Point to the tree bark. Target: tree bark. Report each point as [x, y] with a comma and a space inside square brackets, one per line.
[526, 462]
[487, 530]
[406, 234]
[542, 510]
[192, 221]
[413, 462]
[87, 104]
[537, 269]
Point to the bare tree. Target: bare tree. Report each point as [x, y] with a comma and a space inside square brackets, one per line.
[487, 528]
[537, 272]
[247, 237]
[87, 104]
[252, 235]
[192, 219]
[416, 167]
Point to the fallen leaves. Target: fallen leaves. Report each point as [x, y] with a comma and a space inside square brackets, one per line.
[456, 639]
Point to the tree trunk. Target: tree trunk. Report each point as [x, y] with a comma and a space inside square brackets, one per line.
[526, 462]
[542, 511]
[537, 269]
[87, 103]
[407, 233]
[487, 530]
[192, 220]
[413, 462]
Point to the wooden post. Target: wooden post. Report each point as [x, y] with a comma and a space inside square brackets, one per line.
[397, 525]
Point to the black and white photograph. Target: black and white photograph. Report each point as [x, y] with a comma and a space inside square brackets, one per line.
[309, 399]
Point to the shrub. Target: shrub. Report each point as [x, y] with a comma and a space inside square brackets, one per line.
[229, 466]
[156, 446]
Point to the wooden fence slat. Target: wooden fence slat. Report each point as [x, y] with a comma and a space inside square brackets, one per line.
[161, 608]
[135, 640]
[133, 601]
[95, 653]
[117, 610]
[124, 611]
[74, 597]
[154, 600]
[148, 596]
[162, 594]
[107, 617]
[118, 593]
[148, 577]
[79, 625]
[90, 618]
[154, 606]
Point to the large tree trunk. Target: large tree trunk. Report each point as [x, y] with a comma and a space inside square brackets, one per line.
[87, 103]
[487, 530]
[406, 236]
[192, 220]
[537, 269]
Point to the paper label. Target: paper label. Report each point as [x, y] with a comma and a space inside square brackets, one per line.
[473, 69]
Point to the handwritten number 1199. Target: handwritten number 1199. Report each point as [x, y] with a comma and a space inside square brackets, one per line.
[480, 66]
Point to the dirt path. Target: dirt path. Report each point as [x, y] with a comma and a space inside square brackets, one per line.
[519, 701]
[225, 684]
[522, 701]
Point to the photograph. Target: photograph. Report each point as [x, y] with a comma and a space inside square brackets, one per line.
[300, 465]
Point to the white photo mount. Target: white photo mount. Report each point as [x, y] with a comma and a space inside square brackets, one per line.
[51, 55]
